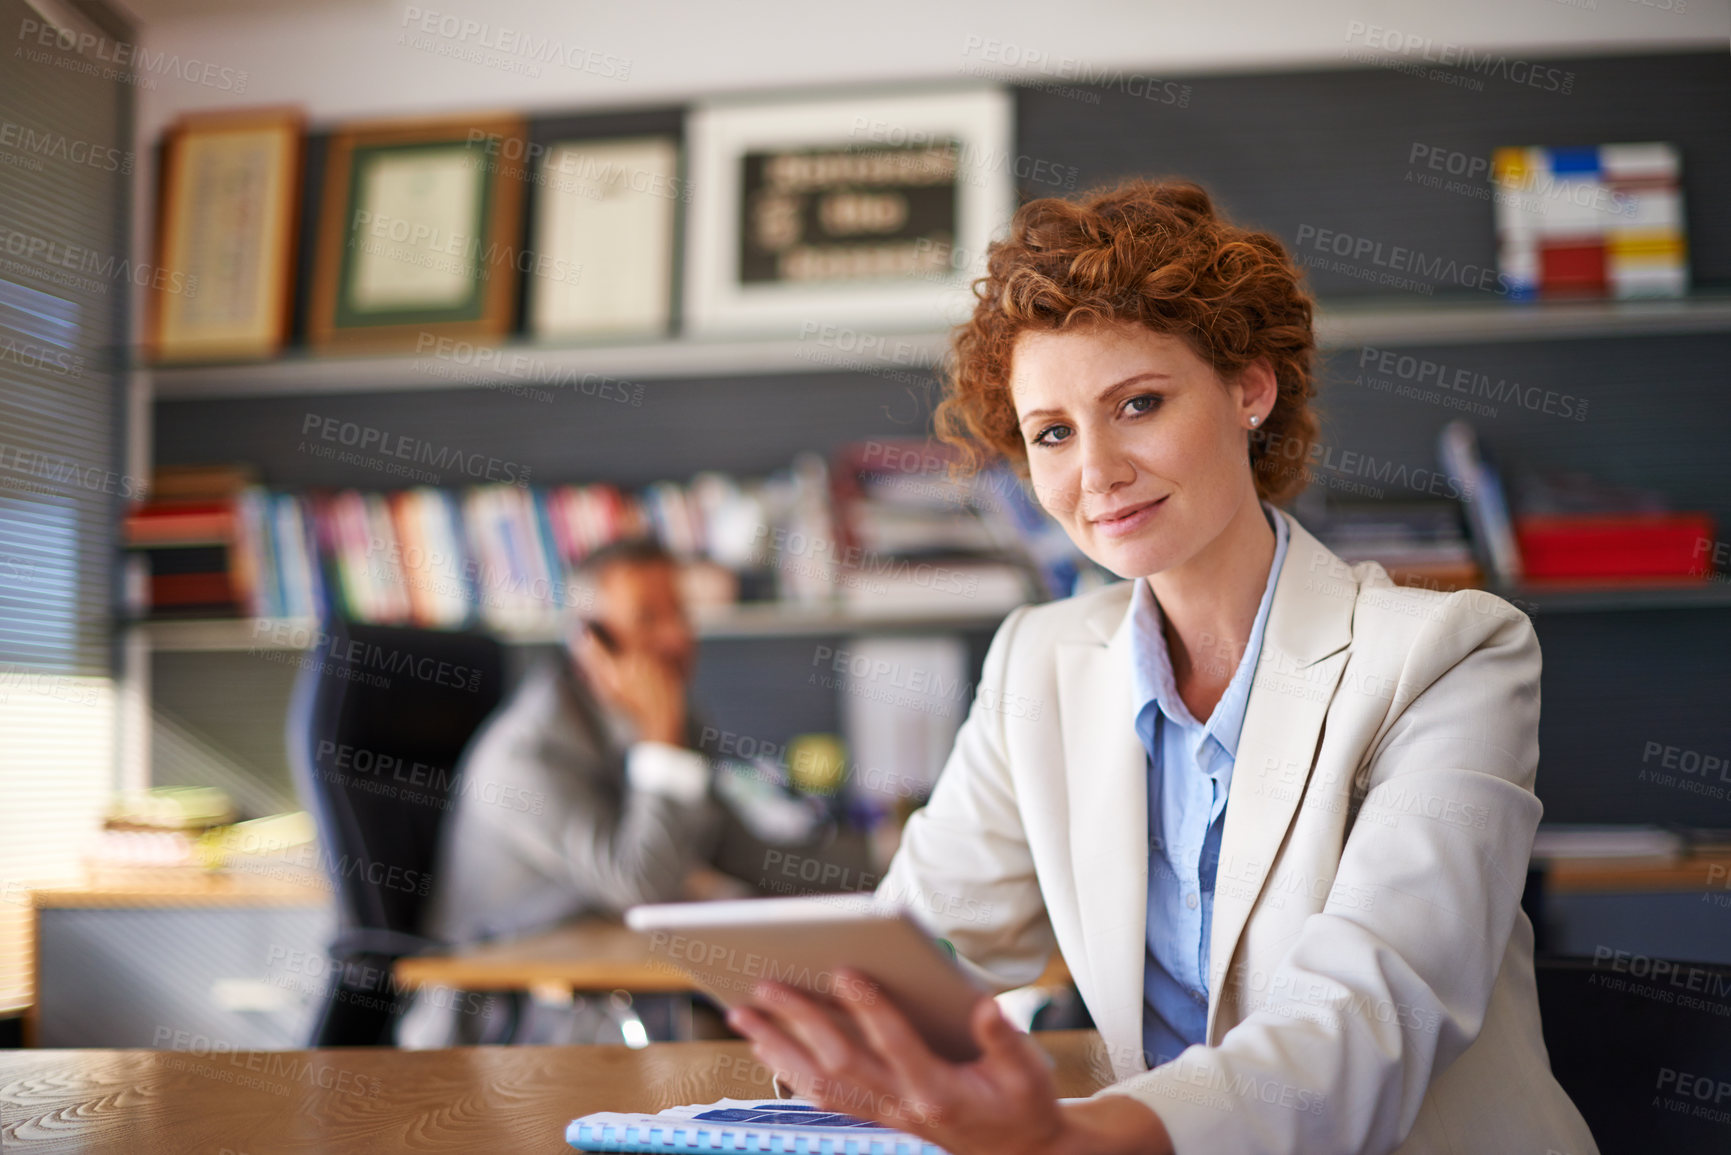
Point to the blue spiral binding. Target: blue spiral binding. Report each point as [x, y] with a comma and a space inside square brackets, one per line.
[680, 1140]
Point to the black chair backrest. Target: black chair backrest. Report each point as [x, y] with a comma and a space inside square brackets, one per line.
[380, 719]
[1643, 1047]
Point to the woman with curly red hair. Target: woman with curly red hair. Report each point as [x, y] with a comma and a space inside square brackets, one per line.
[1274, 811]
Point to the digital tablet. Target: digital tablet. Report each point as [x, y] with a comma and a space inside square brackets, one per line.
[728, 947]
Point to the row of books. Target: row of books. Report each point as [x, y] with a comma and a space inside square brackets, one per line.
[504, 556]
[880, 527]
[1552, 528]
[179, 542]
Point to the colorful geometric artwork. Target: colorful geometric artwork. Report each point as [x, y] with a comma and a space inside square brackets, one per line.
[1604, 220]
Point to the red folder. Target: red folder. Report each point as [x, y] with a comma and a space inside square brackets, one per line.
[1620, 545]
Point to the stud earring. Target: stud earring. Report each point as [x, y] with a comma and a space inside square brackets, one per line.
[1253, 420]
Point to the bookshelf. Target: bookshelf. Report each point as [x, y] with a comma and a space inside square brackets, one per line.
[534, 365]
[739, 623]
[1546, 599]
[768, 620]
[1489, 321]
[1343, 324]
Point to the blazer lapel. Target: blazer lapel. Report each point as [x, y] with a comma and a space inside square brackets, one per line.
[1303, 654]
[1107, 783]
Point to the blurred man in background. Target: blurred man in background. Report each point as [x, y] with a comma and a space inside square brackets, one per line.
[586, 793]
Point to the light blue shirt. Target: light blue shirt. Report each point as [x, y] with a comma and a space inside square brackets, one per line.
[1189, 775]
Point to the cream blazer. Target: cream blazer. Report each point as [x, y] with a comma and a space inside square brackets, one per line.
[1371, 973]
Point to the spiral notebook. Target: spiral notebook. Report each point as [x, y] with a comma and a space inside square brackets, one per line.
[778, 1125]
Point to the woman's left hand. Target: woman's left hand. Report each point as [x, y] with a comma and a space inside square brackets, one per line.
[857, 1054]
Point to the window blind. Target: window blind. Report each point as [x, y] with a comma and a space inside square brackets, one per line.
[65, 279]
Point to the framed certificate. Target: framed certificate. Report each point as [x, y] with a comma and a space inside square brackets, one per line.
[605, 212]
[230, 193]
[419, 233]
[855, 211]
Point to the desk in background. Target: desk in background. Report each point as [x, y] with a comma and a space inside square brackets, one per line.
[380, 1101]
[591, 954]
[1663, 908]
[128, 955]
[1694, 873]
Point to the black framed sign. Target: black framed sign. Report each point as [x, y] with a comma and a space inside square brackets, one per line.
[848, 210]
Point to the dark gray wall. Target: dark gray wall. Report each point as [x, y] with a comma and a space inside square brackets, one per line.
[1649, 412]
[1323, 149]
[1331, 149]
[746, 425]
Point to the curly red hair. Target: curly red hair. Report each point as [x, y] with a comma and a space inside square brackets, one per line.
[1156, 253]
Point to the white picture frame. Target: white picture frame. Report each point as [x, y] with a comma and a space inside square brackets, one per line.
[974, 124]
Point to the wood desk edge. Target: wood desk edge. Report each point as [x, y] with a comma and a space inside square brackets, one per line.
[1599, 875]
[184, 891]
[513, 965]
[649, 977]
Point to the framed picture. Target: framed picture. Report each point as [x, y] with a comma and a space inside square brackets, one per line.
[225, 239]
[605, 213]
[419, 233]
[861, 210]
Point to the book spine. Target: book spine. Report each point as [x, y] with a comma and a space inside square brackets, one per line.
[409, 557]
[1487, 510]
[255, 573]
[468, 577]
[546, 539]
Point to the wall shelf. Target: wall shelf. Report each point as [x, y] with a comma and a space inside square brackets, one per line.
[1459, 321]
[744, 623]
[524, 366]
[753, 622]
[1545, 599]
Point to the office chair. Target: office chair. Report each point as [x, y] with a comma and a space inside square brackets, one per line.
[1640, 1045]
[379, 718]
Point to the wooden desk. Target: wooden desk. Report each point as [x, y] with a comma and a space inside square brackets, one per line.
[1695, 872]
[380, 1101]
[182, 888]
[589, 955]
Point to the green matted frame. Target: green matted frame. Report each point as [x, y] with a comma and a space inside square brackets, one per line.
[491, 148]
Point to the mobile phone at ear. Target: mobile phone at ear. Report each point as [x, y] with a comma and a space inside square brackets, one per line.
[608, 639]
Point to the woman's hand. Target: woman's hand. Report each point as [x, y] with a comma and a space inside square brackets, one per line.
[857, 1054]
